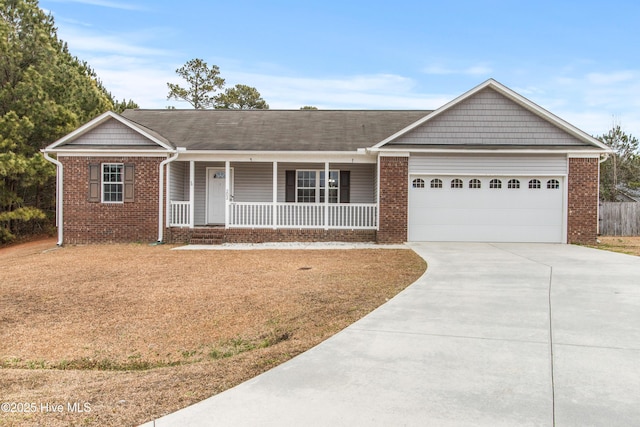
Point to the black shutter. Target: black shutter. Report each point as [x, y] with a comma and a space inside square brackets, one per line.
[290, 186]
[128, 182]
[94, 183]
[345, 178]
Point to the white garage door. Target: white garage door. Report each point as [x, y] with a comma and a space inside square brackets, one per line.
[486, 209]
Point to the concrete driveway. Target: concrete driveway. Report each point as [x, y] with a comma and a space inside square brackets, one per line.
[491, 335]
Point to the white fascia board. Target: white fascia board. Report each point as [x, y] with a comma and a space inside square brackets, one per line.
[514, 96]
[92, 124]
[398, 153]
[571, 153]
[110, 153]
[586, 155]
[280, 156]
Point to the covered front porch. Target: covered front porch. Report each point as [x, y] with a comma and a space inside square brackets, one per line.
[272, 194]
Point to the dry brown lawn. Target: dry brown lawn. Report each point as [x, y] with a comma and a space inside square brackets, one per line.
[626, 245]
[136, 331]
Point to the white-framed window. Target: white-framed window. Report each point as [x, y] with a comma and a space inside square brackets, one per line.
[475, 183]
[310, 186]
[418, 183]
[457, 183]
[513, 184]
[495, 183]
[436, 183]
[112, 182]
[553, 184]
[534, 184]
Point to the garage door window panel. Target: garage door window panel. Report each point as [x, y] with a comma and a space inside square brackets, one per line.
[553, 184]
[436, 183]
[495, 184]
[534, 184]
[513, 184]
[457, 183]
[418, 183]
[475, 184]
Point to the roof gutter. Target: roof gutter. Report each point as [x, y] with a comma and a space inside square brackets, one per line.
[59, 198]
[161, 205]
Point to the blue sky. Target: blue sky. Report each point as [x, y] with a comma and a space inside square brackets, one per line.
[578, 59]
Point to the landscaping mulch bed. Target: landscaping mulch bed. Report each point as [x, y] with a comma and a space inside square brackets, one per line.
[123, 334]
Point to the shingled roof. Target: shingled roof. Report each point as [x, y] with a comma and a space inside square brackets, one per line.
[274, 130]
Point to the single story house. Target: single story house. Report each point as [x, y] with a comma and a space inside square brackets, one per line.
[489, 166]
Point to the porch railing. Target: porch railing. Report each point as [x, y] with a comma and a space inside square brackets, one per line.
[180, 215]
[303, 215]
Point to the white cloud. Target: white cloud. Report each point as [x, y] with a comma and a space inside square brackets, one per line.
[85, 41]
[594, 101]
[147, 86]
[611, 78]
[376, 91]
[141, 80]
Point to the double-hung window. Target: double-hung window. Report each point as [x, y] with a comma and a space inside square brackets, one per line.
[311, 186]
[112, 182]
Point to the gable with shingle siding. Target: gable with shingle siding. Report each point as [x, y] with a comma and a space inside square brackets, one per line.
[487, 118]
[112, 132]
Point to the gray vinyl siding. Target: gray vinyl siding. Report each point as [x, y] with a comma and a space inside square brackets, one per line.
[253, 182]
[488, 164]
[363, 182]
[178, 181]
[112, 132]
[487, 118]
[362, 188]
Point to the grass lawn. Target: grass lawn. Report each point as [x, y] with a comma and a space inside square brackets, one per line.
[136, 332]
[626, 245]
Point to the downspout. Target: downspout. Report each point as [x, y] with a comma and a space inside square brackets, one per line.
[161, 205]
[59, 207]
[603, 158]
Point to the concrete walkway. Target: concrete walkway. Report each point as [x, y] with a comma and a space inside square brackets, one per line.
[491, 335]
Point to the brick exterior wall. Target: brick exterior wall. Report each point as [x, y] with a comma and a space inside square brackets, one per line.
[582, 221]
[96, 222]
[261, 235]
[394, 192]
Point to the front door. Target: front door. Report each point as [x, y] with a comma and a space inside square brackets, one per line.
[215, 196]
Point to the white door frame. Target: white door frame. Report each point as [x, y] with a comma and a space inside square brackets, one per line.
[206, 206]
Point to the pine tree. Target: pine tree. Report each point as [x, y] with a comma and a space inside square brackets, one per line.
[45, 93]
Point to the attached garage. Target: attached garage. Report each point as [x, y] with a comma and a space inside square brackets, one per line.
[487, 198]
[491, 166]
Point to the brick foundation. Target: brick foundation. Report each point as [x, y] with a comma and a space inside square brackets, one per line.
[261, 235]
[95, 222]
[582, 220]
[394, 192]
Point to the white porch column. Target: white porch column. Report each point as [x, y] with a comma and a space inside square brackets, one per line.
[274, 215]
[192, 193]
[227, 192]
[326, 195]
